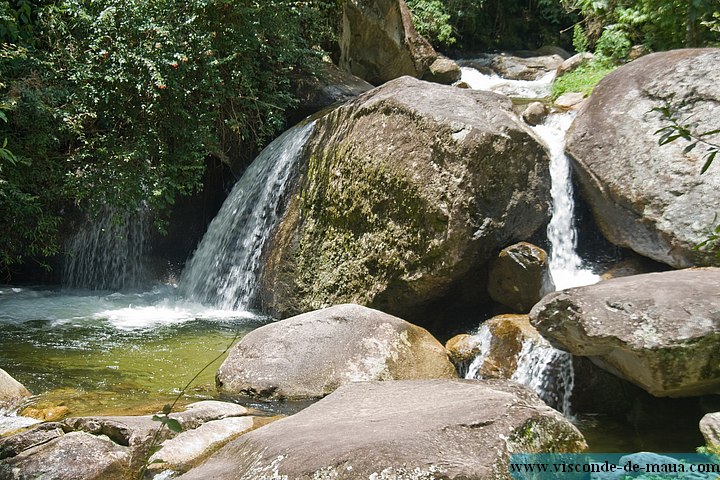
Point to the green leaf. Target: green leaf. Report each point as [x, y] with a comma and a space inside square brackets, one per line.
[167, 409]
[689, 148]
[174, 425]
[708, 162]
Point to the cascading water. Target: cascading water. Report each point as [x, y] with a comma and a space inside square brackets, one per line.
[224, 269]
[109, 252]
[566, 266]
[546, 370]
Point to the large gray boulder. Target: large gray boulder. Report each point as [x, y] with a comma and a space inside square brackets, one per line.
[379, 42]
[660, 331]
[646, 197]
[311, 355]
[405, 195]
[409, 430]
[12, 392]
[525, 68]
[74, 456]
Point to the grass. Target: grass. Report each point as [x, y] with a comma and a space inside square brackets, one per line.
[582, 79]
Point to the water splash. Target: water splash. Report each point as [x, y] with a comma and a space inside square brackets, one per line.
[477, 80]
[483, 339]
[566, 267]
[546, 370]
[224, 270]
[109, 252]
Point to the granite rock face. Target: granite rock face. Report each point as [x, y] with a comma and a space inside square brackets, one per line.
[399, 429]
[660, 331]
[644, 196]
[405, 195]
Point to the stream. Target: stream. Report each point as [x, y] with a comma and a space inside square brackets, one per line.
[103, 352]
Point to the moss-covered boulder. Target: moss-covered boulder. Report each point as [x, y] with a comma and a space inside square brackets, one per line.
[405, 195]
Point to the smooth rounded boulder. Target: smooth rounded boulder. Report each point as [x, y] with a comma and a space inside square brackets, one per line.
[400, 429]
[520, 276]
[12, 392]
[311, 355]
[660, 331]
[404, 196]
[649, 197]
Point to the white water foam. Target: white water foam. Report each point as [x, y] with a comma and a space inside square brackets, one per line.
[546, 370]
[224, 269]
[125, 311]
[566, 267]
[539, 88]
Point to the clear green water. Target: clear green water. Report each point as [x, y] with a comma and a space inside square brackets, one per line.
[113, 353]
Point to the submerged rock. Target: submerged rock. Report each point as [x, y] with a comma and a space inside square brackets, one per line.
[12, 392]
[644, 196]
[311, 355]
[379, 42]
[404, 196]
[660, 331]
[520, 276]
[406, 429]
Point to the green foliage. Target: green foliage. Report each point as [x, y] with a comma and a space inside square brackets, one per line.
[582, 79]
[510, 24]
[580, 40]
[614, 43]
[118, 103]
[657, 24]
[432, 21]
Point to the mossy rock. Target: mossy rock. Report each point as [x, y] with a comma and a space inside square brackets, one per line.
[404, 196]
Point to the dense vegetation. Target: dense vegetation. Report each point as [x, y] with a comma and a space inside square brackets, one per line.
[610, 27]
[118, 103]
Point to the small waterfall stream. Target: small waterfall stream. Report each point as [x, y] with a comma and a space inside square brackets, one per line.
[546, 370]
[224, 269]
[109, 252]
[566, 266]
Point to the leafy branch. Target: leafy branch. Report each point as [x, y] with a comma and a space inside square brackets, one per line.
[689, 132]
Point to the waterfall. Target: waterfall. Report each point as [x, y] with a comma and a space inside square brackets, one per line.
[224, 269]
[548, 372]
[566, 266]
[108, 252]
[544, 369]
